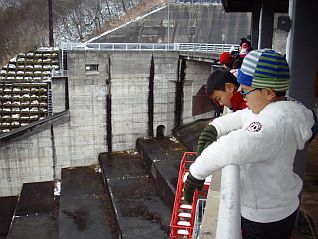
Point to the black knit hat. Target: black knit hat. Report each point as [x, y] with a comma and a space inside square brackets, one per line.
[218, 79]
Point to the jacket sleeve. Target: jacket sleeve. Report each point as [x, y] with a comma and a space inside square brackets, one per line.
[230, 122]
[258, 141]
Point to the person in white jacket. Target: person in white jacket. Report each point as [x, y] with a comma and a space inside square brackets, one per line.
[262, 141]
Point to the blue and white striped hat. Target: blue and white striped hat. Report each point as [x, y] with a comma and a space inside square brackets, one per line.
[264, 68]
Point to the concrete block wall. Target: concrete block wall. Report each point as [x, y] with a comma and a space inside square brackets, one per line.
[196, 75]
[279, 36]
[129, 93]
[25, 159]
[78, 142]
[166, 76]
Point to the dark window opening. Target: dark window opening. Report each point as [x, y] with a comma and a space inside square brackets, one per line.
[91, 67]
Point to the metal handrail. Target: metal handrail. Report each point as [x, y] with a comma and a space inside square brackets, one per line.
[188, 47]
[229, 216]
[225, 200]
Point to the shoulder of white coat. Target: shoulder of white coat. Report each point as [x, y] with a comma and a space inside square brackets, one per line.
[289, 109]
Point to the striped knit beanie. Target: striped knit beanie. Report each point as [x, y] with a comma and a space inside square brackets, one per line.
[264, 68]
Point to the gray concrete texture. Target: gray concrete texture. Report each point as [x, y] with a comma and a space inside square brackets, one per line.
[197, 74]
[187, 23]
[79, 141]
[58, 98]
[25, 160]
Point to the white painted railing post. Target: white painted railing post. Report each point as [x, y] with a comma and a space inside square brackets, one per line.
[229, 216]
[222, 217]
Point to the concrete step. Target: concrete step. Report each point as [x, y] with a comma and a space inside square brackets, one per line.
[84, 206]
[140, 211]
[162, 156]
[36, 213]
[7, 207]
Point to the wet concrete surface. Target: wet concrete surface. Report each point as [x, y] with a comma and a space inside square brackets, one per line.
[85, 206]
[36, 213]
[162, 156]
[189, 134]
[141, 212]
[7, 207]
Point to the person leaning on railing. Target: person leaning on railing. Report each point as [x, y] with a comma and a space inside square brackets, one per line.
[223, 89]
[262, 141]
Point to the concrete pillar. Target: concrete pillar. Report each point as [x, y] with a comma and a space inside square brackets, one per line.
[266, 24]
[255, 28]
[301, 52]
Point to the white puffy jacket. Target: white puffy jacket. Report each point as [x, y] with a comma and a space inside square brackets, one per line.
[264, 146]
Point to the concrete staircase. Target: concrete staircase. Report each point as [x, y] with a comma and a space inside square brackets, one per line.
[128, 195]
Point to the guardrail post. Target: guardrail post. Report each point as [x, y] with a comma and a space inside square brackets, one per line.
[229, 219]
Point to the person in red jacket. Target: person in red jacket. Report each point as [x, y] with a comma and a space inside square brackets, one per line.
[222, 87]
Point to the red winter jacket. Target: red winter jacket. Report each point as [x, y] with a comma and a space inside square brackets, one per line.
[237, 102]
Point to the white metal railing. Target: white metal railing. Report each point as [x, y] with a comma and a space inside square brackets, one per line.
[188, 47]
[229, 216]
[224, 222]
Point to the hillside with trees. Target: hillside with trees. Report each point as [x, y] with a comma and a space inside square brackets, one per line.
[24, 23]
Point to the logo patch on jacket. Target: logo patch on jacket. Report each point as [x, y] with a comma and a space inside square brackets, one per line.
[254, 127]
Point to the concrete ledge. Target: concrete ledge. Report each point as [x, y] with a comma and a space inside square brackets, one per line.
[36, 213]
[139, 209]
[200, 56]
[84, 206]
[162, 156]
[36, 127]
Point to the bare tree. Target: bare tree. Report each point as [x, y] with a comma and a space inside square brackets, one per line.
[24, 23]
[108, 9]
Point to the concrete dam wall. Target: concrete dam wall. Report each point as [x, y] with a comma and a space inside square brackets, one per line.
[114, 98]
[183, 23]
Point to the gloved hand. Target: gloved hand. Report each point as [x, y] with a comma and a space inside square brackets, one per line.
[207, 137]
[190, 185]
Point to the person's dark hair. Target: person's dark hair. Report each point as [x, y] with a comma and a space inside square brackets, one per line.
[237, 63]
[280, 93]
[244, 40]
[218, 79]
